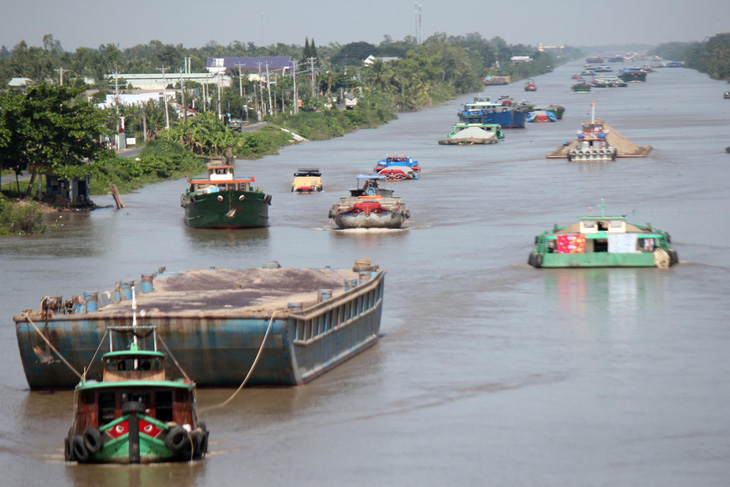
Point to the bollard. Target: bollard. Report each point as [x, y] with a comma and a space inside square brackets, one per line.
[147, 283]
[323, 295]
[92, 301]
[127, 289]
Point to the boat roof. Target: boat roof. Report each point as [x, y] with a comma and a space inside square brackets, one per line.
[622, 217]
[133, 353]
[221, 181]
[369, 176]
[219, 166]
[93, 384]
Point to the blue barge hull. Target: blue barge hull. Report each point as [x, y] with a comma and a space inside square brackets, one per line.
[214, 322]
[511, 118]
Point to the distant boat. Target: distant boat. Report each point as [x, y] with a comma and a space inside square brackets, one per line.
[592, 142]
[369, 206]
[473, 133]
[224, 201]
[632, 74]
[398, 167]
[307, 180]
[603, 241]
[541, 116]
[530, 85]
[505, 112]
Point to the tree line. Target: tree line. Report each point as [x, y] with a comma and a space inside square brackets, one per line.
[711, 56]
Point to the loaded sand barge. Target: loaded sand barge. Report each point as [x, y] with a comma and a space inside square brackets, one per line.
[214, 323]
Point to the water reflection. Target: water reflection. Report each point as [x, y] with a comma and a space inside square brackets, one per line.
[605, 294]
[251, 238]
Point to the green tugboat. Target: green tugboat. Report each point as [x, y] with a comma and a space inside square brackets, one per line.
[135, 414]
[221, 200]
[603, 241]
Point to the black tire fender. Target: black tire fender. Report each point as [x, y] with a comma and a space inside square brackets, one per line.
[79, 450]
[92, 440]
[177, 439]
[130, 407]
[68, 453]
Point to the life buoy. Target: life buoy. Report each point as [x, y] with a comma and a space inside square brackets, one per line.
[243, 196]
[177, 439]
[504, 110]
[79, 450]
[92, 440]
[220, 197]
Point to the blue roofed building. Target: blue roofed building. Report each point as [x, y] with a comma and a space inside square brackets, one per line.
[250, 65]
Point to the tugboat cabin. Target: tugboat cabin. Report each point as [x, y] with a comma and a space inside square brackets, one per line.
[133, 377]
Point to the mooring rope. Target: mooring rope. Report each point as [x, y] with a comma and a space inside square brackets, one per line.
[101, 342]
[27, 316]
[173, 359]
[250, 371]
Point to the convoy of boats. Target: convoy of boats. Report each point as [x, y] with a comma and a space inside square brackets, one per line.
[130, 407]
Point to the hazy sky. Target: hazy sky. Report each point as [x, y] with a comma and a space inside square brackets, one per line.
[88, 23]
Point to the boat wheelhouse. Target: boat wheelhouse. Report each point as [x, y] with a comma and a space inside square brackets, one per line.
[592, 143]
[603, 241]
[222, 200]
[135, 414]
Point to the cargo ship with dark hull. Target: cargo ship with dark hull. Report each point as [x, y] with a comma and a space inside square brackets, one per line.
[222, 201]
[214, 323]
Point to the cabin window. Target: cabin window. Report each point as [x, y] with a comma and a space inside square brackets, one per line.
[107, 407]
[87, 397]
[600, 245]
[602, 226]
[181, 396]
[163, 405]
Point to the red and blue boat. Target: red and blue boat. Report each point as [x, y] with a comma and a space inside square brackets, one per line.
[398, 167]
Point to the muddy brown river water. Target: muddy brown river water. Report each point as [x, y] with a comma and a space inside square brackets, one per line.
[489, 372]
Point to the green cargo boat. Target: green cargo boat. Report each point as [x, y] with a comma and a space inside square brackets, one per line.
[221, 200]
[603, 241]
[135, 414]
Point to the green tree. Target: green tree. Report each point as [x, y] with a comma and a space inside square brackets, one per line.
[49, 128]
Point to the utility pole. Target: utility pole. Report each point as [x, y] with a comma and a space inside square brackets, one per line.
[261, 93]
[268, 88]
[182, 90]
[418, 9]
[219, 97]
[262, 29]
[296, 94]
[312, 70]
[60, 72]
[164, 82]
